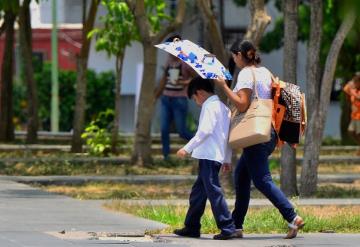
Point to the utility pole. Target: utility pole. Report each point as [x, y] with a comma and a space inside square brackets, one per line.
[54, 71]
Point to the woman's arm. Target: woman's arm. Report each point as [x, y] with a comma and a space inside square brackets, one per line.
[241, 99]
[184, 82]
[188, 74]
[160, 88]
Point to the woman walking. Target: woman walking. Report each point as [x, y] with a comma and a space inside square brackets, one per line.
[253, 163]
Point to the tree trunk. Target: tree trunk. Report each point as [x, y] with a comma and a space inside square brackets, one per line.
[318, 117]
[116, 127]
[215, 38]
[79, 113]
[288, 181]
[6, 111]
[28, 75]
[311, 160]
[330, 66]
[142, 146]
[82, 62]
[259, 21]
[2, 28]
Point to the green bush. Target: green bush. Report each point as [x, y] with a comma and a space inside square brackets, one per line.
[98, 134]
[100, 96]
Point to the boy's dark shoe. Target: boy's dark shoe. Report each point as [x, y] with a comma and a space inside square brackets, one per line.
[221, 236]
[185, 232]
[239, 233]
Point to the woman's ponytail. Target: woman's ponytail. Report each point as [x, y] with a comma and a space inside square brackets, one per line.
[247, 50]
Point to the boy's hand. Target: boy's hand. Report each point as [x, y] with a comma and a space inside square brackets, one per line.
[181, 153]
[226, 167]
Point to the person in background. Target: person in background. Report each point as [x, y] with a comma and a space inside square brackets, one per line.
[352, 90]
[210, 147]
[172, 91]
[253, 164]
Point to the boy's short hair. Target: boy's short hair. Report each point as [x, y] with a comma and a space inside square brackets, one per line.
[199, 83]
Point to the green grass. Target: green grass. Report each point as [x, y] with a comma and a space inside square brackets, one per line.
[258, 220]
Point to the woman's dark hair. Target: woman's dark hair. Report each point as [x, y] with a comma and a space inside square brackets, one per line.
[172, 37]
[199, 83]
[247, 50]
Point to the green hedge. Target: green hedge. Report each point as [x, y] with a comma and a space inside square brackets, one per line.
[100, 96]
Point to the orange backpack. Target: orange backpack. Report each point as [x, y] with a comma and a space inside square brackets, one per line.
[289, 112]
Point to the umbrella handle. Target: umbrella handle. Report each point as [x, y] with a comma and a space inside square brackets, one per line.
[209, 55]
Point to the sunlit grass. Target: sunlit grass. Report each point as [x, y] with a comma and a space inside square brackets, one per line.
[258, 220]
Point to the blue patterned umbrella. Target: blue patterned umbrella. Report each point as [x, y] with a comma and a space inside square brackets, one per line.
[204, 63]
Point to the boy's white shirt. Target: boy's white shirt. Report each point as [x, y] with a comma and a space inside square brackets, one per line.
[211, 139]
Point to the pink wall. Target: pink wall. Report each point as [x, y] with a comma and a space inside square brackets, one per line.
[69, 44]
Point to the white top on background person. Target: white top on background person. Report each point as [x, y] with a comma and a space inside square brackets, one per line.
[211, 139]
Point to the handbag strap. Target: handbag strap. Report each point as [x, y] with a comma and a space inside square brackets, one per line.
[236, 111]
[254, 81]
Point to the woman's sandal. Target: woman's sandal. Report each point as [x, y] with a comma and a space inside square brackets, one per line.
[294, 227]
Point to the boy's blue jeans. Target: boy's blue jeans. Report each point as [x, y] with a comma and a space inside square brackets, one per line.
[173, 108]
[207, 186]
[254, 165]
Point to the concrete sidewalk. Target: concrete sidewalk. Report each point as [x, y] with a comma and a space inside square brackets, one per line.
[271, 240]
[32, 218]
[141, 179]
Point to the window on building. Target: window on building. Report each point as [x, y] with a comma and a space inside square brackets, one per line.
[73, 11]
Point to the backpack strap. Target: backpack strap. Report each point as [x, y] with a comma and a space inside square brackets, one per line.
[278, 109]
[303, 115]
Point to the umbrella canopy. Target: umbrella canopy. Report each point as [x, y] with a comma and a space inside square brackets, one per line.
[204, 63]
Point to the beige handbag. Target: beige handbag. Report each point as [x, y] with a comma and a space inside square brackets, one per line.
[253, 126]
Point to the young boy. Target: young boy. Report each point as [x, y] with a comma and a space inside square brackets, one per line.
[209, 146]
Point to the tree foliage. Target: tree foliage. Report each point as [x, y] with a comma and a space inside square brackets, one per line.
[119, 28]
[156, 13]
[12, 5]
[334, 11]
